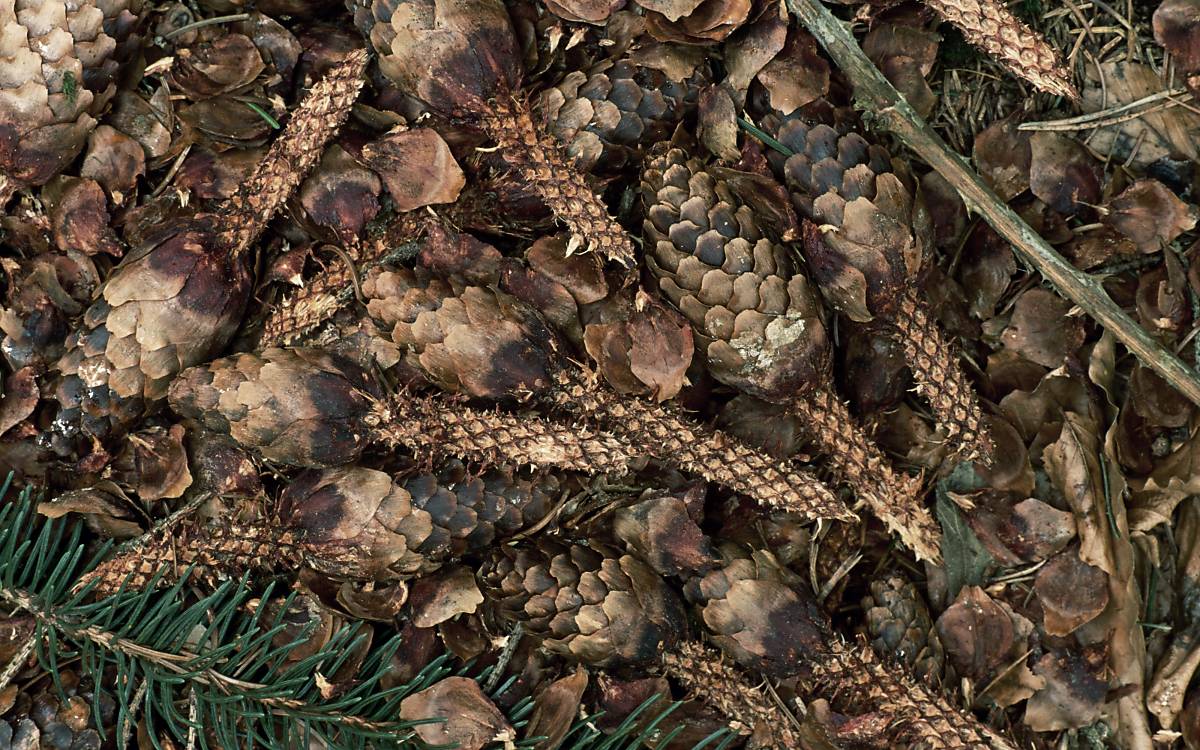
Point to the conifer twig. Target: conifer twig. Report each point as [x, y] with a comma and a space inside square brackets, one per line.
[887, 108]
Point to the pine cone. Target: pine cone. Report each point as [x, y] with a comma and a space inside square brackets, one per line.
[991, 26]
[488, 345]
[589, 602]
[755, 611]
[464, 61]
[868, 255]
[308, 407]
[60, 62]
[177, 301]
[608, 114]
[351, 523]
[760, 326]
[754, 316]
[707, 674]
[302, 407]
[857, 680]
[901, 629]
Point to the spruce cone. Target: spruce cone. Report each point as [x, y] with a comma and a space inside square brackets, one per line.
[308, 407]
[755, 612]
[303, 407]
[991, 26]
[59, 62]
[868, 256]
[589, 602]
[486, 344]
[462, 59]
[901, 629]
[707, 674]
[177, 301]
[609, 113]
[858, 680]
[213, 554]
[351, 523]
[760, 326]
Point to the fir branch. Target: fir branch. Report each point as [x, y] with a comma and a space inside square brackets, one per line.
[209, 673]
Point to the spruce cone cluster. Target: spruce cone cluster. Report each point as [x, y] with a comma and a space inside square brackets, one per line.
[759, 324]
[869, 244]
[357, 360]
[59, 62]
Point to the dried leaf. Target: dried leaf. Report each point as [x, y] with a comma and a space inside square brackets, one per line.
[1003, 156]
[1040, 329]
[417, 168]
[964, 558]
[221, 66]
[753, 46]
[1062, 173]
[154, 463]
[718, 123]
[662, 347]
[661, 531]
[340, 194]
[1155, 136]
[556, 708]
[115, 161]
[103, 506]
[796, 76]
[80, 219]
[471, 719]
[584, 11]
[1177, 28]
[443, 595]
[978, 635]
[1148, 213]
[20, 398]
[1071, 592]
[1072, 697]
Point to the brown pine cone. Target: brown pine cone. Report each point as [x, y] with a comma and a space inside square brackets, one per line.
[463, 60]
[900, 628]
[177, 301]
[757, 611]
[212, 553]
[487, 344]
[760, 326]
[351, 522]
[302, 407]
[856, 680]
[991, 26]
[60, 61]
[309, 407]
[589, 602]
[707, 674]
[755, 318]
[868, 248]
[609, 113]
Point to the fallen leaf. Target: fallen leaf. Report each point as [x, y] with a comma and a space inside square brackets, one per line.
[471, 720]
[661, 347]
[1003, 156]
[556, 708]
[115, 161]
[797, 75]
[105, 508]
[963, 557]
[1155, 136]
[718, 123]
[20, 398]
[661, 532]
[584, 11]
[1148, 213]
[1070, 591]
[753, 46]
[416, 167]
[1177, 28]
[977, 634]
[339, 194]
[1072, 697]
[443, 595]
[153, 462]
[1062, 173]
[80, 218]
[1040, 329]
